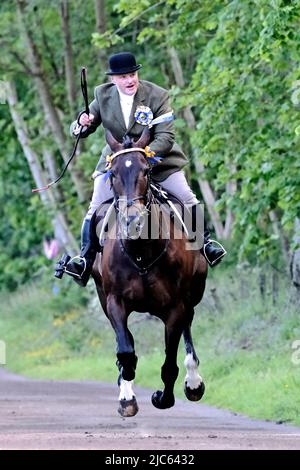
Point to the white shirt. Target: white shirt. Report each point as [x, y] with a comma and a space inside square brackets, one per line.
[126, 102]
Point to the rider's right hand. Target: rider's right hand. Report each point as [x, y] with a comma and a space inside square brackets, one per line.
[86, 120]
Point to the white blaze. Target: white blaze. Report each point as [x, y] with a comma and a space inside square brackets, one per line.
[128, 163]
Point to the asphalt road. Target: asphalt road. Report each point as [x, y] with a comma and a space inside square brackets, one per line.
[83, 415]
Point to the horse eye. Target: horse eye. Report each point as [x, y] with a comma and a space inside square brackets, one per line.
[112, 175]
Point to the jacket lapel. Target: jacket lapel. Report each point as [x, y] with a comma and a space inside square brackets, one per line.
[138, 100]
[116, 108]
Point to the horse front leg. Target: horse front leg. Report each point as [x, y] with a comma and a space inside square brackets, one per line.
[193, 385]
[169, 371]
[126, 358]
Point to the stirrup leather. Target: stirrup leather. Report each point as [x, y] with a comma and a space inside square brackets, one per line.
[212, 263]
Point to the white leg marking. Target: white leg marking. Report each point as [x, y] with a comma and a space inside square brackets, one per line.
[126, 392]
[192, 378]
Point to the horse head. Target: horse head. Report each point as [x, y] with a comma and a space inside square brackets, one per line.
[130, 182]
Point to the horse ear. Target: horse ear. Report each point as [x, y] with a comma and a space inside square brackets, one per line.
[112, 142]
[144, 139]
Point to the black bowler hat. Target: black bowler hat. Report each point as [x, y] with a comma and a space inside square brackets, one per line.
[121, 63]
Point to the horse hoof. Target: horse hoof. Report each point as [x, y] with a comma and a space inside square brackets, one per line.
[128, 408]
[159, 400]
[194, 394]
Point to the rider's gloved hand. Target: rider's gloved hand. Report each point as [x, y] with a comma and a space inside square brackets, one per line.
[86, 120]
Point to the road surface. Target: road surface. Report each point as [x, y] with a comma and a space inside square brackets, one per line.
[38, 414]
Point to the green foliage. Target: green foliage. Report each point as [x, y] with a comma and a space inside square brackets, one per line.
[247, 120]
[23, 220]
[240, 62]
[242, 68]
[107, 39]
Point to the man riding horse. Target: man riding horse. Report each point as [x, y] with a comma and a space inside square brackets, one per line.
[124, 107]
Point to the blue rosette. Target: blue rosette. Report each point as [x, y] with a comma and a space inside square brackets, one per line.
[143, 115]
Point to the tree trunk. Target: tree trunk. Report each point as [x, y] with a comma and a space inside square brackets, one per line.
[63, 234]
[50, 166]
[205, 187]
[278, 231]
[101, 28]
[68, 55]
[295, 260]
[43, 89]
[275, 286]
[66, 238]
[38, 26]
[231, 188]
[262, 279]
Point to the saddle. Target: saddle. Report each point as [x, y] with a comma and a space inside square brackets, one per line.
[167, 201]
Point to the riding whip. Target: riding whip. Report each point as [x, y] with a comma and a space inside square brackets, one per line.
[84, 91]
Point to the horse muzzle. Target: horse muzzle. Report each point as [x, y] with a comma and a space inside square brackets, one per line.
[131, 226]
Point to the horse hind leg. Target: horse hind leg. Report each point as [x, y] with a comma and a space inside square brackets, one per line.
[193, 385]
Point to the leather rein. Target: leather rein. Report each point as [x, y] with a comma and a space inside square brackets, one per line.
[148, 198]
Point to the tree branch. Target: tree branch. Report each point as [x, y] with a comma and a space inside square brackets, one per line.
[47, 47]
[138, 16]
[27, 69]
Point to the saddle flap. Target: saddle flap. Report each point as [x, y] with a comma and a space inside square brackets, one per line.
[175, 206]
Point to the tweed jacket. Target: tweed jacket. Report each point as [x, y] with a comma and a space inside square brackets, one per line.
[107, 110]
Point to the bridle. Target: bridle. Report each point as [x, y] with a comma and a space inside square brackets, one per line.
[147, 197]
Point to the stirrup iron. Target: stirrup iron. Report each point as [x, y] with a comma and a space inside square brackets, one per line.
[224, 252]
[79, 276]
[61, 267]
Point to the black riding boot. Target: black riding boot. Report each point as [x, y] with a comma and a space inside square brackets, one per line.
[212, 250]
[80, 270]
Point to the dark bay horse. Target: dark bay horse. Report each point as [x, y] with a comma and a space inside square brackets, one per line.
[158, 275]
